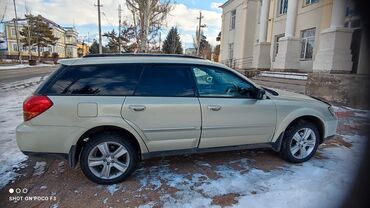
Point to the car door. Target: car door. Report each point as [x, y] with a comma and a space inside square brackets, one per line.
[164, 108]
[231, 115]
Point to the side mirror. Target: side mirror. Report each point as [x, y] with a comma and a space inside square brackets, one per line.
[260, 94]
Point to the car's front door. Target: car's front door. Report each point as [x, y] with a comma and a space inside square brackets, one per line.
[231, 114]
[165, 109]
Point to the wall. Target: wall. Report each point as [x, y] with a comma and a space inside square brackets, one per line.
[346, 89]
[315, 15]
[251, 29]
[235, 36]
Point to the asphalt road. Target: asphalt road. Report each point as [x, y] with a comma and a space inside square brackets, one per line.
[12, 75]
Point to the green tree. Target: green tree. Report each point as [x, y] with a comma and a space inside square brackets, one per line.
[125, 39]
[94, 48]
[204, 47]
[172, 43]
[38, 33]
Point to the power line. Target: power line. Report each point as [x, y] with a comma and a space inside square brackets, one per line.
[107, 20]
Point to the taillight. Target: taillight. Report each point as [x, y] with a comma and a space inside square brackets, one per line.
[35, 105]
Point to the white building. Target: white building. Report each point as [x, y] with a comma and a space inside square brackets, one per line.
[293, 35]
[65, 45]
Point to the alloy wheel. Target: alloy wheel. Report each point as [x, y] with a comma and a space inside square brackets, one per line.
[303, 143]
[108, 160]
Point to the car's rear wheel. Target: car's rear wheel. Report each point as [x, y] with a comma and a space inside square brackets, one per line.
[108, 158]
[300, 142]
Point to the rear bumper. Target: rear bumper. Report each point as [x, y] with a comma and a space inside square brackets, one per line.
[70, 157]
[61, 156]
[47, 140]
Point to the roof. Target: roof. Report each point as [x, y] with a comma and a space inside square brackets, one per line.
[24, 20]
[139, 58]
[226, 3]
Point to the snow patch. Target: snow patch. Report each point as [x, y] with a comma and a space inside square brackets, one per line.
[315, 183]
[148, 205]
[284, 75]
[22, 66]
[39, 168]
[11, 115]
[113, 189]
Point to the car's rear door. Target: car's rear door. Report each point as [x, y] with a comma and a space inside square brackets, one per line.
[164, 108]
[231, 115]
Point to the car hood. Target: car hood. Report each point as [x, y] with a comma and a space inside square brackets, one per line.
[285, 95]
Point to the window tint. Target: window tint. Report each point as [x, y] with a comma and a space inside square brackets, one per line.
[213, 82]
[166, 80]
[111, 79]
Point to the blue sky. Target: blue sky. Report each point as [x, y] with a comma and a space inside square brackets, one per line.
[83, 15]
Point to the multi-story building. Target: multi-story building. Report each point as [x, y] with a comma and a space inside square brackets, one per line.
[82, 49]
[65, 46]
[71, 42]
[293, 35]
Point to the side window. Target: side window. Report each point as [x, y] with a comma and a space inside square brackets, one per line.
[110, 79]
[214, 82]
[166, 80]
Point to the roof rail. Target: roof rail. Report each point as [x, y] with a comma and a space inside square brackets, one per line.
[141, 55]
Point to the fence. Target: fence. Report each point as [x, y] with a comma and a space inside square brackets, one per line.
[241, 63]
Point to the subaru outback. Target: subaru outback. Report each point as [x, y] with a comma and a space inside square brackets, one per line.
[108, 112]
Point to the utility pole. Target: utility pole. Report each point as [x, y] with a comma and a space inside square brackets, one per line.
[199, 31]
[16, 32]
[29, 38]
[99, 25]
[119, 28]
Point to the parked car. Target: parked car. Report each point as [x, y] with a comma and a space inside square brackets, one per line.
[110, 112]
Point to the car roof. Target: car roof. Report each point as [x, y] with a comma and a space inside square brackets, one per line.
[138, 58]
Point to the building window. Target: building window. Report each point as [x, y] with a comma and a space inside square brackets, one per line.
[283, 7]
[276, 48]
[15, 47]
[13, 33]
[307, 43]
[231, 51]
[308, 2]
[233, 20]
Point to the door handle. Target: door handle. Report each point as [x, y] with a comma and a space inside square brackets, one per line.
[136, 107]
[214, 107]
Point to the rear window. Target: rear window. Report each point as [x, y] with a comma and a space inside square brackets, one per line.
[166, 80]
[107, 79]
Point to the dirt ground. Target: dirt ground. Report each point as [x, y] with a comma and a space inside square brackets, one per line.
[67, 187]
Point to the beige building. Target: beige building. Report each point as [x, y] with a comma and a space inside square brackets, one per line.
[293, 35]
[65, 46]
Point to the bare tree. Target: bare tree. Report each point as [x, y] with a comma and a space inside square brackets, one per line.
[148, 16]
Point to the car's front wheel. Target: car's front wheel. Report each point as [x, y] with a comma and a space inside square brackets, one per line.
[300, 142]
[108, 158]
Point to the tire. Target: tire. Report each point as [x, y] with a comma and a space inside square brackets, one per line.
[298, 138]
[112, 158]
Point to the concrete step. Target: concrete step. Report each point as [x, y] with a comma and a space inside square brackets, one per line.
[284, 75]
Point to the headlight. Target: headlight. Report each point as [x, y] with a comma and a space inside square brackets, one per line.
[331, 110]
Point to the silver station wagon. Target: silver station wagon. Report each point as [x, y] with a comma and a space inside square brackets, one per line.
[108, 112]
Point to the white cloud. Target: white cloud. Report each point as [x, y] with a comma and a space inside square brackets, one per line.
[68, 12]
[83, 12]
[185, 19]
[216, 5]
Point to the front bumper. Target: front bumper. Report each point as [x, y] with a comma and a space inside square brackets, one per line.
[330, 128]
